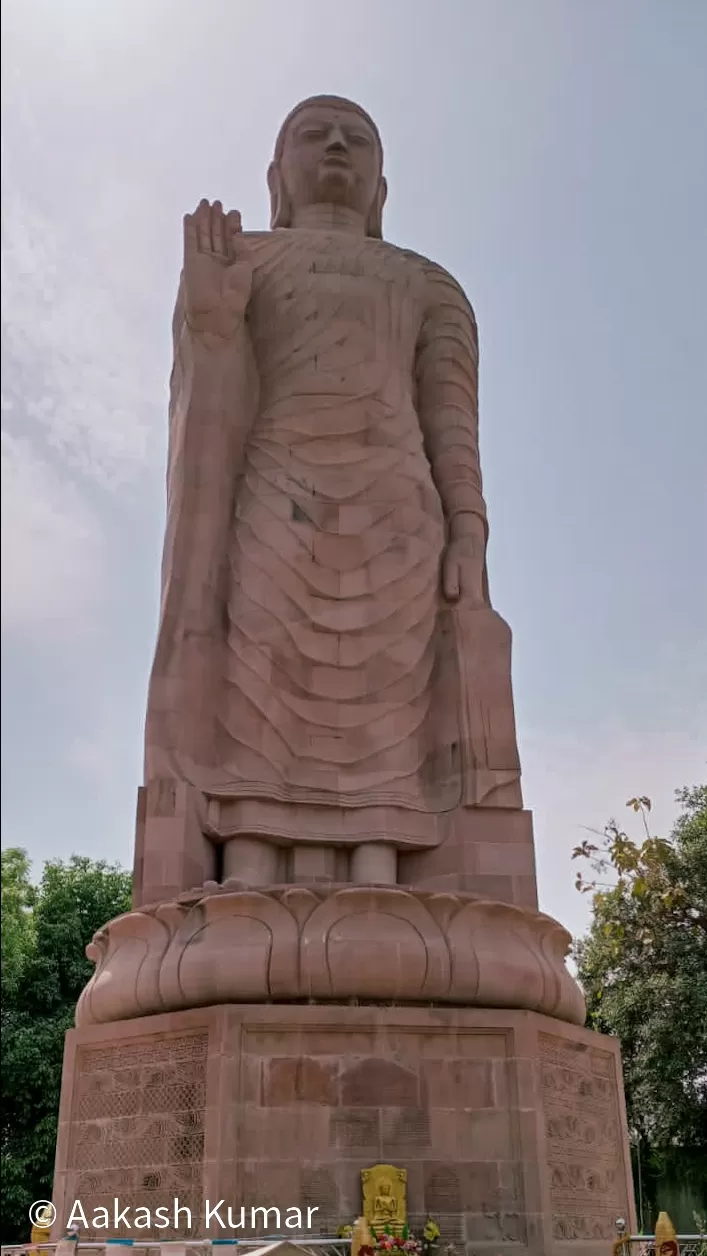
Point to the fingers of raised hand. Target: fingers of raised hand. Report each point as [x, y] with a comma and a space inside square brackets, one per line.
[203, 227]
[208, 230]
[233, 229]
[218, 230]
[191, 239]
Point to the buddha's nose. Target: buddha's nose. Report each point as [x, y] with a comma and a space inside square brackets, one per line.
[336, 141]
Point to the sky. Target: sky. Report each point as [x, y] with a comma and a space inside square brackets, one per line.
[553, 156]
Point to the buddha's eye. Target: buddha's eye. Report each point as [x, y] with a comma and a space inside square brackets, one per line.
[356, 137]
[312, 133]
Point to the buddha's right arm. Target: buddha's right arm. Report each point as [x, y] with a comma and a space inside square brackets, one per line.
[213, 402]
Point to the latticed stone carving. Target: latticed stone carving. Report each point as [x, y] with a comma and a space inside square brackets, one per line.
[582, 1122]
[137, 1132]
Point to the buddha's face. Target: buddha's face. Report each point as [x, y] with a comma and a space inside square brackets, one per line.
[331, 156]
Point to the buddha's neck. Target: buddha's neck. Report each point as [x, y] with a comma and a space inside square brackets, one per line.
[329, 218]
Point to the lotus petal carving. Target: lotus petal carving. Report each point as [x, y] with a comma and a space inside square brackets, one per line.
[330, 943]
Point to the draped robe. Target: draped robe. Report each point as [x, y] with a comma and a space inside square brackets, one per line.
[306, 653]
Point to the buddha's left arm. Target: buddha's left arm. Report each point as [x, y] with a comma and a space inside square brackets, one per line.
[447, 373]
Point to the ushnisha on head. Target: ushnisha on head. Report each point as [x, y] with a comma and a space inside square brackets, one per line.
[328, 152]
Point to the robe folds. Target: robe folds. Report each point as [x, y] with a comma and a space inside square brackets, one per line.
[306, 653]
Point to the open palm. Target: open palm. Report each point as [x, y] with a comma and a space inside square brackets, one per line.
[218, 273]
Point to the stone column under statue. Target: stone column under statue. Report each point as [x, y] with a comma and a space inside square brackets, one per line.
[331, 844]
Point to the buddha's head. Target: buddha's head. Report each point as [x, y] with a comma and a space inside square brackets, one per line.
[328, 152]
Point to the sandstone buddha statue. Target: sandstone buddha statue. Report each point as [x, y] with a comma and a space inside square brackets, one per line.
[326, 643]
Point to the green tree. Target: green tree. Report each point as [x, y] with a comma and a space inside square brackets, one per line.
[17, 932]
[46, 929]
[643, 966]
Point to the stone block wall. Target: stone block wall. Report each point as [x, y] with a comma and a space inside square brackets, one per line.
[510, 1125]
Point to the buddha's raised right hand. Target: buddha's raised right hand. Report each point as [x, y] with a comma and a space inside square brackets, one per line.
[218, 273]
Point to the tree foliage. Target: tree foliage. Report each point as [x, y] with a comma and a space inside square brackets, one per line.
[17, 902]
[45, 930]
[643, 966]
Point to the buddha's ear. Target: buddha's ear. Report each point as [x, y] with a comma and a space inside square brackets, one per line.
[280, 212]
[374, 222]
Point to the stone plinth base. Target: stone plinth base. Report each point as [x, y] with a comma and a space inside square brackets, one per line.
[511, 1125]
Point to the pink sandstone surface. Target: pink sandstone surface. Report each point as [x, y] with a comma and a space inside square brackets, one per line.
[511, 1126]
[335, 954]
[326, 639]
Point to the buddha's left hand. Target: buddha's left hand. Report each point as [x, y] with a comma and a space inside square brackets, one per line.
[463, 563]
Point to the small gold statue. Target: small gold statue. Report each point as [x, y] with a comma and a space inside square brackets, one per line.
[384, 1203]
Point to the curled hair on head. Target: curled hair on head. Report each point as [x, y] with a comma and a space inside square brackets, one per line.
[280, 212]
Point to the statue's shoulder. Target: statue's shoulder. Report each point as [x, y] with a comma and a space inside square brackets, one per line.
[440, 283]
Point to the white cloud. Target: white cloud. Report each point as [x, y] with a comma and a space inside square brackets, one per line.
[79, 404]
[76, 367]
[52, 548]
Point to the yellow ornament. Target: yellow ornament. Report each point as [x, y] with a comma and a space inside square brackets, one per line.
[42, 1230]
[666, 1240]
[362, 1236]
[384, 1202]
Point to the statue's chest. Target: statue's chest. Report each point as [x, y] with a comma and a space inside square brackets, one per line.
[324, 275]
